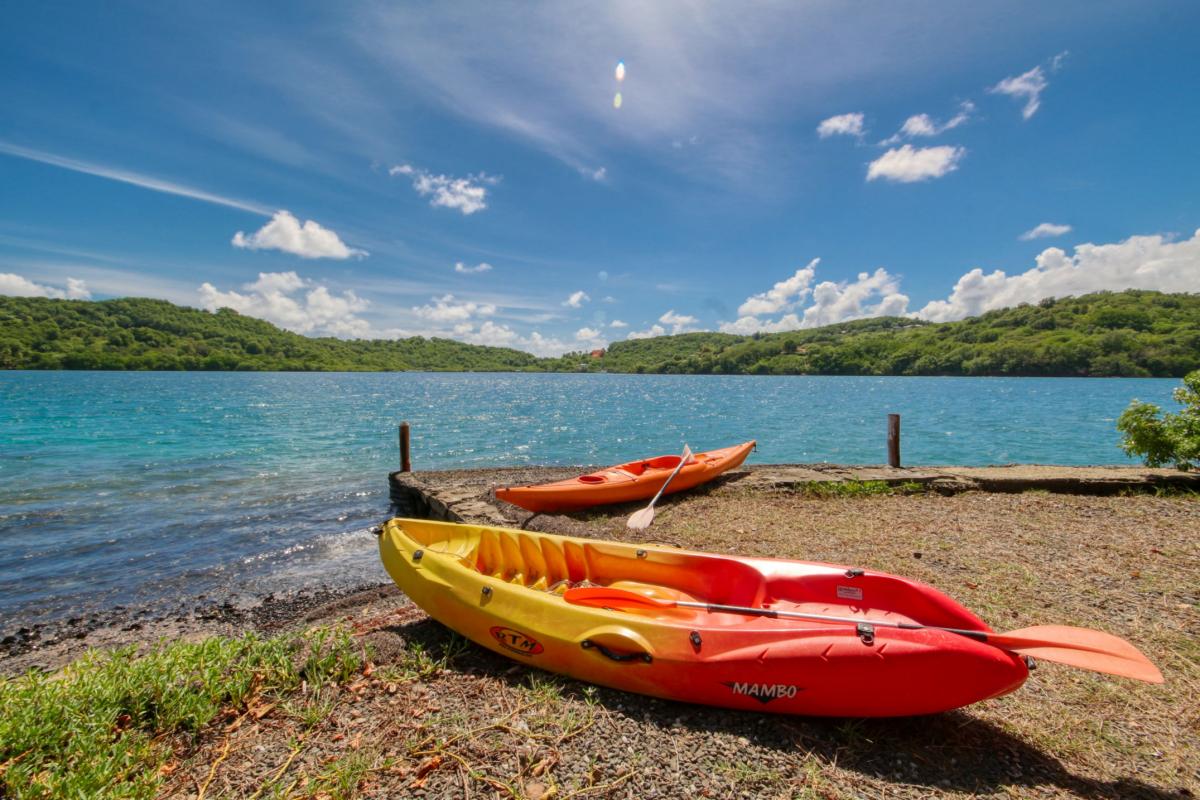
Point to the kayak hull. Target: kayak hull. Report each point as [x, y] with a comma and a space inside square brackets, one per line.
[502, 589]
[625, 483]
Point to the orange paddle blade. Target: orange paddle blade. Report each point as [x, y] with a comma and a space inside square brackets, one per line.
[1080, 647]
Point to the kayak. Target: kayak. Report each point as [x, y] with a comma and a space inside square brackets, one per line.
[624, 483]
[563, 604]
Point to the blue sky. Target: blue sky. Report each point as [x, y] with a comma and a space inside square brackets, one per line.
[381, 169]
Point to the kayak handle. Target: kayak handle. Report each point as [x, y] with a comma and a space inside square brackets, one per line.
[588, 644]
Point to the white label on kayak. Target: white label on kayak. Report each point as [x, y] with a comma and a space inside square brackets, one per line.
[849, 593]
[764, 692]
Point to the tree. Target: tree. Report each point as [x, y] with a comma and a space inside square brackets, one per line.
[1165, 438]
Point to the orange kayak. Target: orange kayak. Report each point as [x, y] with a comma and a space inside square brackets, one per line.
[759, 634]
[625, 483]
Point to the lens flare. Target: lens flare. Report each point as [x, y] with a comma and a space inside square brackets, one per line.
[620, 71]
[617, 100]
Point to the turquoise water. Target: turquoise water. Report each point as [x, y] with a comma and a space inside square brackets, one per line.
[133, 488]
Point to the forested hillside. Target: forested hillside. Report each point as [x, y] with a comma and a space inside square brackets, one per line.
[135, 333]
[1133, 333]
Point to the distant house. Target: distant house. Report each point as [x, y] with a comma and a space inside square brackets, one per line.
[598, 353]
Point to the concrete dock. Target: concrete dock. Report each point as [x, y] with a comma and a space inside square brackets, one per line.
[466, 495]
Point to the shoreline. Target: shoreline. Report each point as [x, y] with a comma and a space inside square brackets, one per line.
[51, 644]
[465, 496]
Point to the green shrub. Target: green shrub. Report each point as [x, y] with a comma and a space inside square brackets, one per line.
[1161, 438]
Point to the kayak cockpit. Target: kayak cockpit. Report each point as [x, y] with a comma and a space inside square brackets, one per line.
[554, 564]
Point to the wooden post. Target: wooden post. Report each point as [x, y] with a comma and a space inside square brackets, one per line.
[405, 461]
[893, 440]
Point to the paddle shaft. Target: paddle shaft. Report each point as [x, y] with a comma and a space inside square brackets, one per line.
[687, 453]
[1078, 647]
[979, 636]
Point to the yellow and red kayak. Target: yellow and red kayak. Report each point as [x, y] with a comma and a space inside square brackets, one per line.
[624, 483]
[564, 604]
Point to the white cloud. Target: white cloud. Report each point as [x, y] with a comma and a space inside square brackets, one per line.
[599, 175]
[587, 334]
[783, 295]
[277, 297]
[746, 326]
[1139, 262]
[15, 285]
[447, 309]
[493, 334]
[841, 125]
[1028, 85]
[649, 333]
[1045, 231]
[482, 266]
[468, 194]
[919, 125]
[679, 323]
[132, 178]
[616, 323]
[577, 299]
[874, 294]
[907, 164]
[871, 295]
[925, 125]
[284, 232]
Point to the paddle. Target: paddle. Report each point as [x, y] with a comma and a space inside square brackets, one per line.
[1078, 647]
[642, 519]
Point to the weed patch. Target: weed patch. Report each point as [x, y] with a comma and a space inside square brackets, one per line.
[102, 726]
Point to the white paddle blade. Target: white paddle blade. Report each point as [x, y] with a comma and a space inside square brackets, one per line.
[640, 520]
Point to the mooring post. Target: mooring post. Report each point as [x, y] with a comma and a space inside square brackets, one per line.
[893, 440]
[405, 461]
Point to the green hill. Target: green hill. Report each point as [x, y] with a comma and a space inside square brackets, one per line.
[136, 333]
[1132, 333]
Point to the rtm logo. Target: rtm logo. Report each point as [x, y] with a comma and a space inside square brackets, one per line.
[516, 641]
[764, 692]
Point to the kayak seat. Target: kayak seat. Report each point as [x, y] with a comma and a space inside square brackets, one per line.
[663, 462]
[709, 579]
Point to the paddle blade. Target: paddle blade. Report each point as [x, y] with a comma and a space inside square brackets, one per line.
[640, 520]
[607, 597]
[1080, 647]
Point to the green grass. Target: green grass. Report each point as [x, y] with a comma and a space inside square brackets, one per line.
[340, 778]
[103, 726]
[416, 663]
[826, 489]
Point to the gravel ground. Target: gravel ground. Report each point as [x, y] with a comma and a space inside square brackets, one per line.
[439, 717]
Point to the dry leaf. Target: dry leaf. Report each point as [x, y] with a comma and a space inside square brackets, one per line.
[428, 766]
